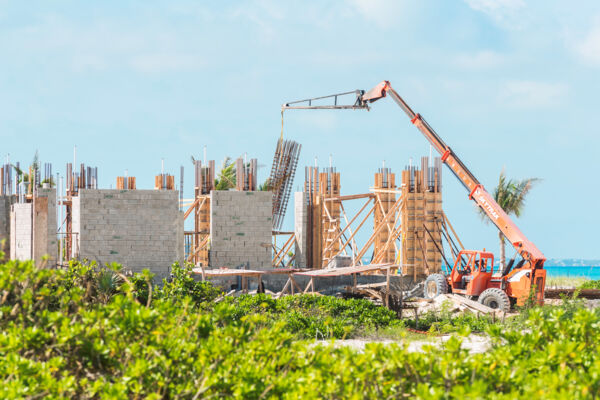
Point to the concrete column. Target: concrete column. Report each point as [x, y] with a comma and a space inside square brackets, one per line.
[300, 227]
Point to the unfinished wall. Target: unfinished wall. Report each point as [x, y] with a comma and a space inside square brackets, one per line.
[241, 227]
[45, 239]
[20, 231]
[5, 203]
[136, 228]
[43, 223]
[300, 228]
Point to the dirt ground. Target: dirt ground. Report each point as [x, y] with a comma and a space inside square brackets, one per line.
[473, 343]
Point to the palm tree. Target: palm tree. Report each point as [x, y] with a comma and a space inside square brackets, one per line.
[226, 178]
[510, 194]
[265, 186]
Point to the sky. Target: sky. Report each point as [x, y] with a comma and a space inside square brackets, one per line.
[508, 84]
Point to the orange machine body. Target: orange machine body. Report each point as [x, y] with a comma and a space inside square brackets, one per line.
[473, 273]
[529, 274]
[517, 283]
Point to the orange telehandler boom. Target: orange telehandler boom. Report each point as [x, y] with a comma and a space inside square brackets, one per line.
[519, 281]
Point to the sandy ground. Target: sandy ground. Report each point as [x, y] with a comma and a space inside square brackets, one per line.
[473, 343]
[589, 303]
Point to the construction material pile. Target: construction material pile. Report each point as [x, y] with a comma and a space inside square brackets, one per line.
[452, 303]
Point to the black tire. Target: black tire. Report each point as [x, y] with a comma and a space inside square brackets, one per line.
[435, 284]
[495, 298]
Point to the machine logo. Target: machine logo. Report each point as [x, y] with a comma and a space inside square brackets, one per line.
[486, 205]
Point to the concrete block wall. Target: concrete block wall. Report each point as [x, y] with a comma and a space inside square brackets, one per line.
[42, 221]
[300, 228]
[5, 203]
[45, 237]
[241, 227]
[136, 228]
[20, 231]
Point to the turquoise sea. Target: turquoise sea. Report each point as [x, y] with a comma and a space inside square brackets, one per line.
[573, 272]
[579, 271]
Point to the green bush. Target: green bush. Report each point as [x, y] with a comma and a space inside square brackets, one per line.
[591, 284]
[63, 341]
[314, 316]
[182, 285]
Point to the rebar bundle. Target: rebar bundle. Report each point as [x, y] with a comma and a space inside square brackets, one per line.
[281, 179]
[6, 180]
[86, 178]
[245, 174]
[204, 176]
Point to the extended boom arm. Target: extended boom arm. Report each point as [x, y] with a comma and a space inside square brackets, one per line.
[524, 247]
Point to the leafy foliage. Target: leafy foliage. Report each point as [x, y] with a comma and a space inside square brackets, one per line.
[591, 284]
[183, 285]
[510, 194]
[320, 317]
[226, 178]
[60, 340]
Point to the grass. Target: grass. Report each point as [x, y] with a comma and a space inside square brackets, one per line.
[565, 282]
[398, 332]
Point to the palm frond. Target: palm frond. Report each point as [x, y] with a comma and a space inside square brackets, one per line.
[226, 177]
[510, 194]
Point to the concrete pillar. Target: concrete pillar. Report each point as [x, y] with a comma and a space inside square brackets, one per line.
[300, 228]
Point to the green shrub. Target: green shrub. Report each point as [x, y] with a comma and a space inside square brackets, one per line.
[182, 285]
[58, 341]
[591, 284]
[314, 316]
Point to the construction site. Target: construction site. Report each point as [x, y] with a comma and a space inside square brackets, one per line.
[381, 243]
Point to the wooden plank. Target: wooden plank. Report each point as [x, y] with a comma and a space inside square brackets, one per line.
[226, 272]
[348, 225]
[192, 207]
[348, 270]
[460, 300]
[350, 197]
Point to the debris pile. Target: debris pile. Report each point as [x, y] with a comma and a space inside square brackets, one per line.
[452, 303]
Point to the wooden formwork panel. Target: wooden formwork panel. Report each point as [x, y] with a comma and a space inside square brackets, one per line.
[421, 211]
[329, 186]
[384, 249]
[203, 227]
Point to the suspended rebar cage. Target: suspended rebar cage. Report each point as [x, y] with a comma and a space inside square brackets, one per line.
[281, 179]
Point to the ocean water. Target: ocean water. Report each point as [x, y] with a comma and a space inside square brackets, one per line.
[565, 271]
[573, 272]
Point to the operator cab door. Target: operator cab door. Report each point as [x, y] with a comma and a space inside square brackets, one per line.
[482, 273]
[472, 272]
[461, 272]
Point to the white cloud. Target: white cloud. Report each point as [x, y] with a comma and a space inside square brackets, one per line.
[508, 13]
[481, 60]
[531, 94]
[384, 13]
[589, 47]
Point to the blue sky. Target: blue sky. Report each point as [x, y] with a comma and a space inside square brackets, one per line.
[508, 84]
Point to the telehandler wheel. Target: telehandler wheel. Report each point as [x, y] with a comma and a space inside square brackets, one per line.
[495, 298]
[435, 284]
